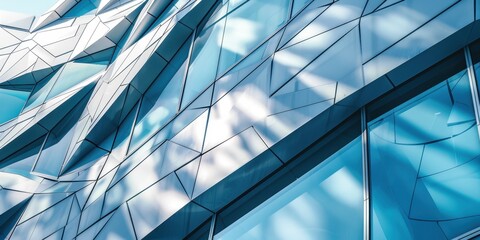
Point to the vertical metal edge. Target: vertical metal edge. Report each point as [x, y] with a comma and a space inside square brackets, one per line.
[212, 227]
[366, 174]
[473, 86]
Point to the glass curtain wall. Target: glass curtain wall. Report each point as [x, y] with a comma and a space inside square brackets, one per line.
[313, 206]
[423, 167]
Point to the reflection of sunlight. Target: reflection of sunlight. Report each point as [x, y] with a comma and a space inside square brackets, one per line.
[311, 80]
[380, 65]
[402, 18]
[286, 58]
[279, 126]
[294, 227]
[221, 166]
[302, 206]
[176, 200]
[242, 33]
[157, 115]
[252, 105]
[452, 192]
[344, 186]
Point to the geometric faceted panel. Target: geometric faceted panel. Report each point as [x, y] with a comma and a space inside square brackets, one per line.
[132, 119]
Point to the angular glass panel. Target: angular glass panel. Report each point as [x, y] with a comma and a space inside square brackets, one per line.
[68, 76]
[82, 8]
[160, 102]
[37, 7]
[298, 5]
[153, 118]
[16, 99]
[54, 151]
[204, 61]
[425, 164]
[314, 206]
[248, 26]
[230, 39]
[40, 92]
[74, 73]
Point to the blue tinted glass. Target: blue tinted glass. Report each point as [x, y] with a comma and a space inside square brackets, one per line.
[84, 7]
[68, 76]
[15, 99]
[298, 5]
[204, 61]
[325, 203]
[160, 102]
[425, 165]
[248, 26]
[40, 92]
[230, 39]
[156, 113]
[74, 73]
[35, 7]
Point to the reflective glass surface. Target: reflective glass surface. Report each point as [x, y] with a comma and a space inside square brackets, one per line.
[230, 39]
[36, 7]
[425, 165]
[314, 206]
[161, 100]
[15, 99]
[74, 73]
[70, 75]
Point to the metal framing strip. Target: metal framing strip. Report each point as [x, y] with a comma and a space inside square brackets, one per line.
[366, 174]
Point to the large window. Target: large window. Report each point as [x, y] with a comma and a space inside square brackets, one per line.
[313, 206]
[414, 172]
[424, 165]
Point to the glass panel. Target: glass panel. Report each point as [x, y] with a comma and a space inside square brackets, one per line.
[37, 7]
[68, 76]
[159, 115]
[425, 164]
[230, 39]
[314, 206]
[298, 5]
[160, 103]
[16, 100]
[51, 159]
[81, 9]
[40, 92]
[74, 73]
[204, 61]
[248, 26]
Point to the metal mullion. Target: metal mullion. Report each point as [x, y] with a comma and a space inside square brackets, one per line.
[473, 86]
[366, 176]
[212, 227]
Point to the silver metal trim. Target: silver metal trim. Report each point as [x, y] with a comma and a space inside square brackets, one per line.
[468, 235]
[212, 227]
[473, 86]
[366, 172]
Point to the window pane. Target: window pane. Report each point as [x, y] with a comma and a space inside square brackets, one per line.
[231, 38]
[37, 7]
[16, 100]
[425, 165]
[314, 206]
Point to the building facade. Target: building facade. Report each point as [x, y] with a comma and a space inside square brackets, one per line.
[239, 119]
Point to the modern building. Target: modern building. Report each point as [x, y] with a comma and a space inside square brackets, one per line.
[239, 119]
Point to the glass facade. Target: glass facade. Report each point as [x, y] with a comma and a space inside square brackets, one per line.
[313, 206]
[424, 165]
[423, 178]
[240, 119]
